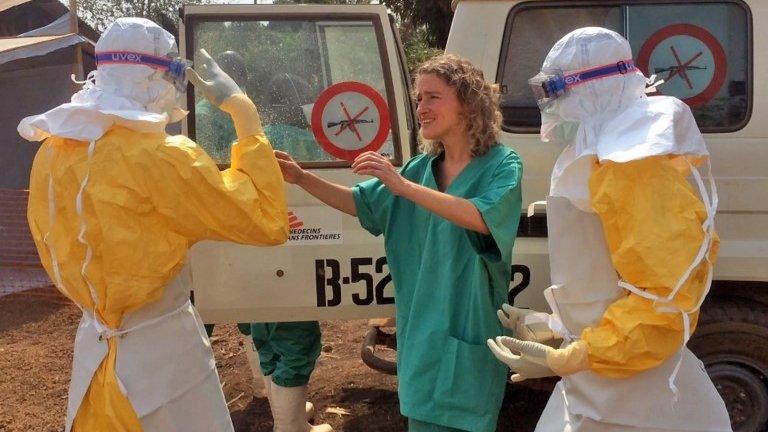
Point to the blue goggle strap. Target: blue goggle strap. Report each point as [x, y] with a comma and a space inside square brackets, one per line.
[573, 79]
[174, 67]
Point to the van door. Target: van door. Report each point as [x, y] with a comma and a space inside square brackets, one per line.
[329, 83]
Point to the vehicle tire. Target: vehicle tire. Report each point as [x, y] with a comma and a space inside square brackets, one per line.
[732, 340]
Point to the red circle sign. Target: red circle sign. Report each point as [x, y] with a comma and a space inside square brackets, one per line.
[350, 118]
[685, 48]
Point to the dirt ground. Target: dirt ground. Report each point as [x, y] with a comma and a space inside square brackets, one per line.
[37, 329]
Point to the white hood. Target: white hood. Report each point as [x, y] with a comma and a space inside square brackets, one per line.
[609, 118]
[131, 95]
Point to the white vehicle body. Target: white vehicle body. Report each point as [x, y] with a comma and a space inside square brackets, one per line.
[340, 273]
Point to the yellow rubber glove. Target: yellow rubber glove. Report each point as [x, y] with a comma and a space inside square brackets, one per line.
[222, 91]
[244, 115]
[526, 324]
[563, 362]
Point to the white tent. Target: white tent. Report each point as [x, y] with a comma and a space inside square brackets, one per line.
[34, 46]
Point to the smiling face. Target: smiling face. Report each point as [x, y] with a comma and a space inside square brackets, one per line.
[439, 110]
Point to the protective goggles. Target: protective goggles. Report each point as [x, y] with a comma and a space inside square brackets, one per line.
[550, 85]
[173, 67]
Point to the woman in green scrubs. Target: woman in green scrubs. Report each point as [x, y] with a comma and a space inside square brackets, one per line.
[449, 218]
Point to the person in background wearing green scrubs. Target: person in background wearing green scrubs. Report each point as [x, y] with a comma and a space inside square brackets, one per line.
[287, 350]
[284, 122]
[449, 218]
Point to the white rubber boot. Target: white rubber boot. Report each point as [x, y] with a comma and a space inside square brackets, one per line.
[309, 408]
[289, 410]
[252, 355]
[268, 392]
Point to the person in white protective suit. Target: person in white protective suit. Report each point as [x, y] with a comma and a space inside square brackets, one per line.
[114, 206]
[631, 245]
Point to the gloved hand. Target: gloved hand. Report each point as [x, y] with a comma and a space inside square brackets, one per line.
[521, 367]
[223, 92]
[536, 360]
[220, 86]
[515, 319]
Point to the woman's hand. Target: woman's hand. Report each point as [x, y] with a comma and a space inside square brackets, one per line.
[457, 210]
[335, 195]
[292, 172]
[374, 164]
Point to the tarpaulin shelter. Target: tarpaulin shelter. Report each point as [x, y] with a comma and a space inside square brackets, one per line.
[37, 57]
[38, 53]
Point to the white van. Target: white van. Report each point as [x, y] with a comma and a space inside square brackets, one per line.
[301, 59]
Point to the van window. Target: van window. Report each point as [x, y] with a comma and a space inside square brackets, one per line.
[700, 49]
[284, 65]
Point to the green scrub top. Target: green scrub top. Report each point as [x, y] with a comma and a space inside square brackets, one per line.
[449, 283]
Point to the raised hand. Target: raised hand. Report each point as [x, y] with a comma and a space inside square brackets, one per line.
[219, 86]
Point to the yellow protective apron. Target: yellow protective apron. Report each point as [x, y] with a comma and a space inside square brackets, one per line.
[584, 285]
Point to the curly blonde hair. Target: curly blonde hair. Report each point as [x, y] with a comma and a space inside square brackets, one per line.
[479, 99]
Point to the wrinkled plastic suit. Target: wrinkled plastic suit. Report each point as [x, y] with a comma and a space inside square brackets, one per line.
[627, 307]
[114, 206]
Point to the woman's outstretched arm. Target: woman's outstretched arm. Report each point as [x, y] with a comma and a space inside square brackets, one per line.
[332, 194]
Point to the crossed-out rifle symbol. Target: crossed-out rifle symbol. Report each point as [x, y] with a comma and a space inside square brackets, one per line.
[681, 68]
[350, 122]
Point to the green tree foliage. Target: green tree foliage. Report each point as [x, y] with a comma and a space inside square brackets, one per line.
[100, 13]
[434, 16]
[416, 46]
[423, 24]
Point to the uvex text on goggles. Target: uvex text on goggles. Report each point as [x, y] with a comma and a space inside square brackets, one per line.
[173, 67]
[548, 86]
